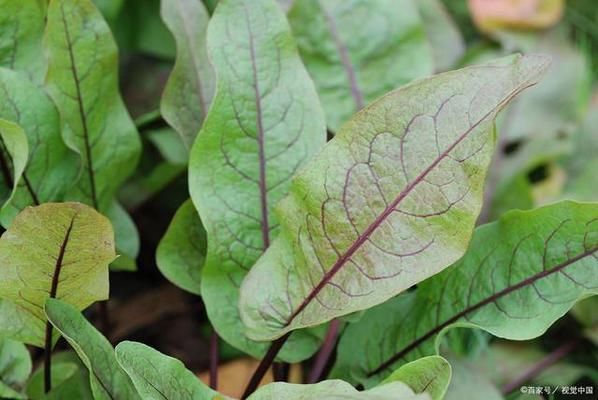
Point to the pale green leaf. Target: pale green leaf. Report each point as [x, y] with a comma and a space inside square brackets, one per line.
[265, 122]
[13, 158]
[518, 277]
[357, 50]
[467, 383]
[169, 144]
[443, 34]
[182, 251]
[82, 79]
[57, 250]
[159, 377]
[21, 30]
[190, 87]
[52, 167]
[429, 375]
[108, 380]
[126, 236]
[15, 367]
[17, 325]
[390, 201]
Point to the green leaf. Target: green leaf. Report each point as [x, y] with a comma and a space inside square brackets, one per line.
[170, 145]
[52, 167]
[390, 201]
[126, 236]
[15, 324]
[159, 377]
[57, 250]
[182, 251]
[13, 158]
[21, 29]
[15, 367]
[445, 39]
[108, 380]
[468, 383]
[429, 375]
[265, 122]
[190, 87]
[352, 67]
[518, 277]
[82, 79]
[62, 373]
[109, 8]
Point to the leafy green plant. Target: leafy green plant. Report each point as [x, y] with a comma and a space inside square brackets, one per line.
[343, 184]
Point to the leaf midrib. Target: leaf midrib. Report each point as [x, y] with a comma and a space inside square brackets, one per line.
[343, 53]
[389, 209]
[490, 299]
[83, 116]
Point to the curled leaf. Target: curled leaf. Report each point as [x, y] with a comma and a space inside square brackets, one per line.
[13, 158]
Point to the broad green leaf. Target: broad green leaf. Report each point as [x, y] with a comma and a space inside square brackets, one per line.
[390, 201]
[21, 30]
[190, 87]
[159, 377]
[265, 122]
[108, 380]
[82, 80]
[445, 39]
[52, 167]
[62, 373]
[182, 251]
[357, 50]
[57, 250]
[13, 158]
[518, 277]
[15, 367]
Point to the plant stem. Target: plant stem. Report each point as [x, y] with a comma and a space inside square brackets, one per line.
[214, 360]
[280, 371]
[264, 365]
[546, 362]
[325, 352]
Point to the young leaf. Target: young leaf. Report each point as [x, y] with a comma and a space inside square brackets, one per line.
[265, 122]
[15, 367]
[59, 250]
[352, 67]
[190, 87]
[21, 30]
[159, 377]
[126, 237]
[519, 275]
[13, 158]
[429, 375]
[52, 167]
[390, 201]
[182, 250]
[82, 80]
[108, 380]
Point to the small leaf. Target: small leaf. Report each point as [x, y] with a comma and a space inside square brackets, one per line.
[518, 277]
[352, 67]
[21, 29]
[190, 87]
[13, 158]
[82, 79]
[52, 167]
[429, 375]
[265, 122]
[15, 367]
[108, 380]
[159, 377]
[182, 251]
[57, 250]
[126, 236]
[389, 202]
[492, 16]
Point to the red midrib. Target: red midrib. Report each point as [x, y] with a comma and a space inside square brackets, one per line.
[389, 209]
